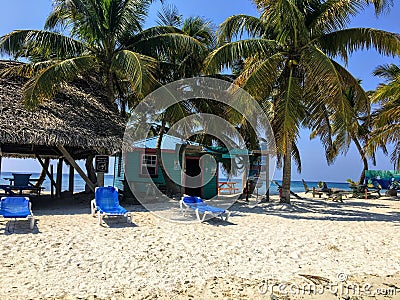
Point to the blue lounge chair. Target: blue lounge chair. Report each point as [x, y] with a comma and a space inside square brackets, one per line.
[106, 203]
[199, 206]
[17, 207]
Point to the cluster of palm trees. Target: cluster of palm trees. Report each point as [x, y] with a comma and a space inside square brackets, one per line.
[284, 58]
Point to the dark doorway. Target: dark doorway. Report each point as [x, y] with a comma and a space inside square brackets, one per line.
[193, 169]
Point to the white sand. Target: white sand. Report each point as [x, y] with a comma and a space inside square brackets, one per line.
[69, 255]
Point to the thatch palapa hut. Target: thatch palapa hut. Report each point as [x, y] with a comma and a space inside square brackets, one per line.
[78, 123]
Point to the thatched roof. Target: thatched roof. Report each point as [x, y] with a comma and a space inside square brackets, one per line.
[79, 118]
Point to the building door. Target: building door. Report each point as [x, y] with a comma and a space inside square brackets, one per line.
[193, 182]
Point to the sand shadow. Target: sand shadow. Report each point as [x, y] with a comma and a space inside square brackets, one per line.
[9, 227]
[332, 211]
[116, 222]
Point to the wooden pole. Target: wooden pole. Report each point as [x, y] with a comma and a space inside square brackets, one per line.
[59, 177]
[100, 179]
[183, 172]
[267, 182]
[71, 179]
[52, 186]
[1, 156]
[49, 175]
[73, 163]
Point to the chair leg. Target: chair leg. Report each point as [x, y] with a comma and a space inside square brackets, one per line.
[128, 217]
[99, 218]
[93, 208]
[32, 223]
[204, 216]
[198, 216]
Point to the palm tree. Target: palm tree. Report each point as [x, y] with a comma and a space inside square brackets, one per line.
[354, 126]
[289, 61]
[387, 121]
[185, 62]
[104, 37]
[179, 63]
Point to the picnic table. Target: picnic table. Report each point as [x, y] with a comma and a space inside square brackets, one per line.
[9, 188]
[228, 186]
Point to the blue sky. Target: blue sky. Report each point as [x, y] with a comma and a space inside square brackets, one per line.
[28, 14]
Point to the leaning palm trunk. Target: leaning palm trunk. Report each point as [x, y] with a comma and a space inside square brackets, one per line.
[287, 173]
[362, 176]
[363, 157]
[43, 173]
[171, 187]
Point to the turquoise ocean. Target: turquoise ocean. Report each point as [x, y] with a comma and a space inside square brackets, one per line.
[79, 184]
[296, 186]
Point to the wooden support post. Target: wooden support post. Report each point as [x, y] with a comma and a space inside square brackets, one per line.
[73, 163]
[267, 182]
[1, 156]
[183, 172]
[100, 179]
[49, 175]
[51, 178]
[71, 179]
[59, 177]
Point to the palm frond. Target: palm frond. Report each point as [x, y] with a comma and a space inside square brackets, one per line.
[226, 55]
[334, 15]
[125, 16]
[341, 43]
[259, 78]
[169, 45]
[201, 29]
[27, 70]
[321, 127]
[362, 100]
[129, 40]
[169, 16]
[387, 71]
[134, 67]
[322, 77]
[236, 26]
[286, 20]
[387, 92]
[45, 84]
[59, 17]
[381, 6]
[31, 43]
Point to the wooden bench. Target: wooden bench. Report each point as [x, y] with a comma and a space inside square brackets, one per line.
[228, 189]
[315, 192]
[228, 186]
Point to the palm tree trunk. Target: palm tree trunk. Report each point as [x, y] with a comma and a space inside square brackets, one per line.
[364, 159]
[287, 173]
[110, 86]
[171, 187]
[43, 173]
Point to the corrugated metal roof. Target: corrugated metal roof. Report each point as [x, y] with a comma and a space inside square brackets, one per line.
[169, 142]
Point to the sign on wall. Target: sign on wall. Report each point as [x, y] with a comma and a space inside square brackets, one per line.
[101, 163]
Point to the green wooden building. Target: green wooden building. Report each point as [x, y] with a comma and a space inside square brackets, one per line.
[141, 164]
